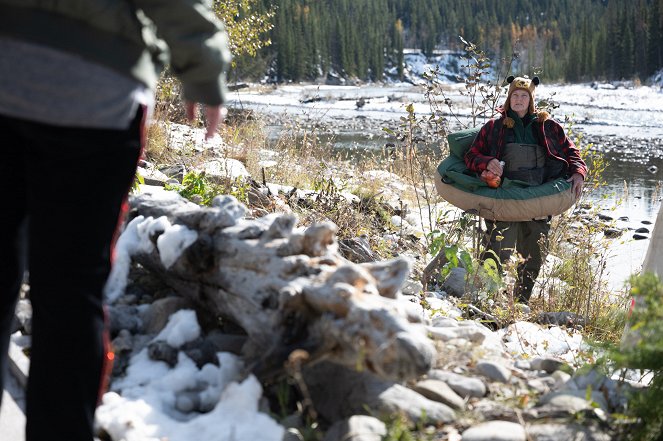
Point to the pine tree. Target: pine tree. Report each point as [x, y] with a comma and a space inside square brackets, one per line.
[579, 39]
[655, 35]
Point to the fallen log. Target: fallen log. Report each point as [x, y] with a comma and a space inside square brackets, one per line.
[287, 287]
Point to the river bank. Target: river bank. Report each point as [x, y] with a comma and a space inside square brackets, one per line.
[622, 124]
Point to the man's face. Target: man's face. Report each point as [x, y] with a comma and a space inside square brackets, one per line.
[519, 102]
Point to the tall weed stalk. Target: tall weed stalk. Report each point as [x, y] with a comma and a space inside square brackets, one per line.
[577, 281]
[418, 161]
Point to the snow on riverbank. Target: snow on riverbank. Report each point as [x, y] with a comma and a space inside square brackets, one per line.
[596, 109]
[147, 404]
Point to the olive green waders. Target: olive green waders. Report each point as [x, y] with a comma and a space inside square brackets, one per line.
[503, 238]
[529, 163]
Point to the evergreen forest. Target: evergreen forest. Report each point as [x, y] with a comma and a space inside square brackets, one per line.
[562, 40]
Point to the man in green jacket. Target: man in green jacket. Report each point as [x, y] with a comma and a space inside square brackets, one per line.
[76, 87]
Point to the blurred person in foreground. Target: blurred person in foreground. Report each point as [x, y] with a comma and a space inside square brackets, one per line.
[77, 82]
[533, 148]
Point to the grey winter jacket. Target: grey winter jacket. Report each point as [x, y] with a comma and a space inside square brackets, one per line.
[133, 37]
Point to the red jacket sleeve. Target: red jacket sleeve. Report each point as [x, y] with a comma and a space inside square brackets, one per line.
[570, 151]
[479, 154]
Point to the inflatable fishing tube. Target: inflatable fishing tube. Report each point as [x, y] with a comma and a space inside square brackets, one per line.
[513, 201]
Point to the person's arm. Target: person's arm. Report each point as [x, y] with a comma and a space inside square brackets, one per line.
[577, 166]
[572, 154]
[214, 116]
[477, 158]
[199, 53]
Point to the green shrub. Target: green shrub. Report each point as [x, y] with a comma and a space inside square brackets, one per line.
[642, 348]
[197, 188]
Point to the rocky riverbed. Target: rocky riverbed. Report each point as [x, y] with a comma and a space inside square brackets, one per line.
[523, 382]
[180, 366]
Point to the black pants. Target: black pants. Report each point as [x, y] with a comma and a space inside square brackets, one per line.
[502, 238]
[64, 189]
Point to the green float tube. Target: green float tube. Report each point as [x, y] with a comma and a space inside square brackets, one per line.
[513, 201]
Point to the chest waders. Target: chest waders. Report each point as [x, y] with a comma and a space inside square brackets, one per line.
[524, 162]
[528, 163]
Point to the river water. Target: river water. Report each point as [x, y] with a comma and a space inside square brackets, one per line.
[622, 124]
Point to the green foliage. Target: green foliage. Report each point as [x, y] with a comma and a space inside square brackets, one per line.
[138, 181]
[646, 322]
[437, 242]
[451, 243]
[283, 392]
[643, 349]
[197, 188]
[399, 428]
[315, 38]
[246, 25]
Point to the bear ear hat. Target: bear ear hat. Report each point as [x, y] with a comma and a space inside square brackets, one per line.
[535, 80]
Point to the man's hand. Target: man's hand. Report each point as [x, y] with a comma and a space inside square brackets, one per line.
[214, 115]
[577, 181]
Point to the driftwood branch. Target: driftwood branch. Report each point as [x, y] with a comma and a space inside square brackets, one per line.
[287, 287]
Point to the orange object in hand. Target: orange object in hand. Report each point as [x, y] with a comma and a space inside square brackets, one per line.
[491, 179]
